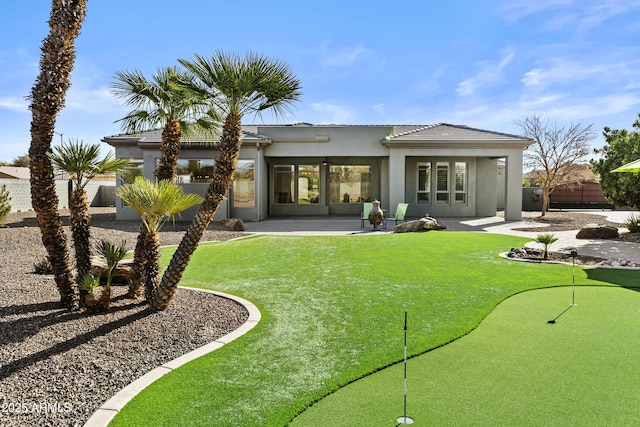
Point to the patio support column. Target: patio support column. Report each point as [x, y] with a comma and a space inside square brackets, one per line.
[396, 180]
[513, 184]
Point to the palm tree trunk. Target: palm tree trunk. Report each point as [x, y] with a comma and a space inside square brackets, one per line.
[151, 254]
[137, 268]
[167, 169]
[224, 168]
[47, 99]
[80, 232]
[169, 151]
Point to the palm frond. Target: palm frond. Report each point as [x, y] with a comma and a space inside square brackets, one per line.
[240, 85]
[156, 202]
[112, 252]
[160, 99]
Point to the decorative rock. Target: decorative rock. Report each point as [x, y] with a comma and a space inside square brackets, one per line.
[524, 253]
[597, 231]
[234, 224]
[422, 224]
[121, 275]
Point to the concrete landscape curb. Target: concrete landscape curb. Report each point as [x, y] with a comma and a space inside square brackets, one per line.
[111, 407]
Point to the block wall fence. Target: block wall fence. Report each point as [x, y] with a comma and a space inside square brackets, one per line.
[100, 193]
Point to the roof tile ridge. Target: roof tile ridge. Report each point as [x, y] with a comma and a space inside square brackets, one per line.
[419, 128]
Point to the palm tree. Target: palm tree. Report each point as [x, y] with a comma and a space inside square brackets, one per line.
[161, 102]
[113, 254]
[546, 240]
[47, 99]
[155, 203]
[236, 86]
[82, 162]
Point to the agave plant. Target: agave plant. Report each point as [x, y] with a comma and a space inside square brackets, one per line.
[632, 223]
[546, 239]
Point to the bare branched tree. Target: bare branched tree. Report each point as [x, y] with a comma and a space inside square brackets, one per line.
[558, 153]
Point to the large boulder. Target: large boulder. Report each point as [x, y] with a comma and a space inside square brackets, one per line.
[597, 231]
[234, 224]
[423, 224]
[121, 275]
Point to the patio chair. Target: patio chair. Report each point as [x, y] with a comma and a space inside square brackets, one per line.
[366, 208]
[401, 211]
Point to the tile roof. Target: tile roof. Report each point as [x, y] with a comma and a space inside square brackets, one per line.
[446, 131]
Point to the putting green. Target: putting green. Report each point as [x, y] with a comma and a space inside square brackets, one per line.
[514, 369]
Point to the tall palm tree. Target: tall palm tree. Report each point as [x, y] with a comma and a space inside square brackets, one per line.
[161, 102]
[47, 99]
[82, 162]
[155, 203]
[237, 86]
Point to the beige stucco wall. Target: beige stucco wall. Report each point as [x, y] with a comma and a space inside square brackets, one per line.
[393, 163]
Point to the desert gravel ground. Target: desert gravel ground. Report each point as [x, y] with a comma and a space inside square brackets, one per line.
[57, 367]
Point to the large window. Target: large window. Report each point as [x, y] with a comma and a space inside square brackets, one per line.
[299, 184]
[448, 189]
[424, 182]
[283, 183]
[461, 183]
[308, 184]
[244, 185]
[349, 184]
[442, 183]
[194, 171]
[134, 168]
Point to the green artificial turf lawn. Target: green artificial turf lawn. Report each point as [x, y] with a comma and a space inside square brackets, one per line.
[332, 312]
[514, 369]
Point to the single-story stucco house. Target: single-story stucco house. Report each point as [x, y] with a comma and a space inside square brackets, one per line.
[304, 169]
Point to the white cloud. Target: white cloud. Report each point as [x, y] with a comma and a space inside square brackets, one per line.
[579, 15]
[14, 103]
[379, 108]
[567, 70]
[431, 82]
[344, 56]
[332, 113]
[515, 10]
[98, 100]
[488, 72]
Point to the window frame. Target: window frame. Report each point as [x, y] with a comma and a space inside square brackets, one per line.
[465, 185]
[426, 190]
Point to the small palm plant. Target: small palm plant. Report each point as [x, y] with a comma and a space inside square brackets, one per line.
[156, 203]
[88, 283]
[546, 239]
[113, 254]
[83, 162]
[5, 207]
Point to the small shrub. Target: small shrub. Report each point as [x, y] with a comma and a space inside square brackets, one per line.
[113, 253]
[5, 206]
[633, 223]
[546, 239]
[42, 266]
[88, 283]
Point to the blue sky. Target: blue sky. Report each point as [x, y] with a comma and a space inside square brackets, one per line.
[480, 63]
